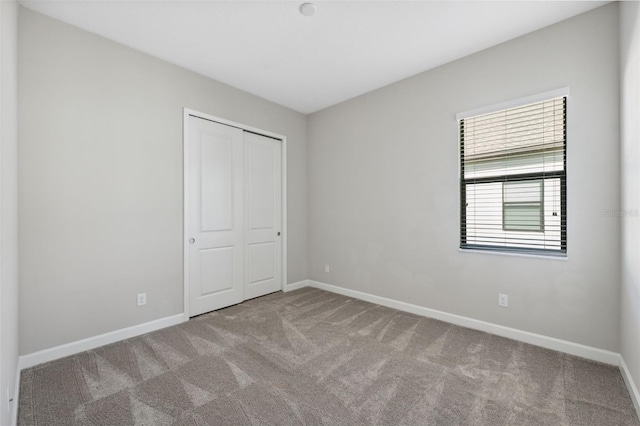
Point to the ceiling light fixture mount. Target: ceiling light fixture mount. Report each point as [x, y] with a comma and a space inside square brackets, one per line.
[307, 9]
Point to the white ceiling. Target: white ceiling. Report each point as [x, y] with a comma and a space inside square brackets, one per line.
[309, 63]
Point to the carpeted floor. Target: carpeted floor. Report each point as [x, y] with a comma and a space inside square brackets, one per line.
[313, 357]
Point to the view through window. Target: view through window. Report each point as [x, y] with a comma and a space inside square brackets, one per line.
[513, 179]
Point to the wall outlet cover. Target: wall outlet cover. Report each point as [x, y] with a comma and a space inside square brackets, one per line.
[142, 299]
[503, 300]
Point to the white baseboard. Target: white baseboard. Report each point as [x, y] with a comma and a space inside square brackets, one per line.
[588, 352]
[46, 355]
[51, 354]
[295, 286]
[559, 345]
[631, 385]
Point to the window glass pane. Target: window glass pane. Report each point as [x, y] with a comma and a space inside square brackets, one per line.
[522, 206]
[527, 191]
[488, 219]
[522, 217]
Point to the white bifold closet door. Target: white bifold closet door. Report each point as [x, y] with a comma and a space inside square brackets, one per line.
[235, 215]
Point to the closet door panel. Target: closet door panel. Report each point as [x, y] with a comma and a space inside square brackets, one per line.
[216, 250]
[263, 215]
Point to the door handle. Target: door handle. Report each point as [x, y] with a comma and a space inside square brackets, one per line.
[278, 234]
[192, 240]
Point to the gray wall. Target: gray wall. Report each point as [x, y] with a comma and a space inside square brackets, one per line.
[383, 188]
[8, 205]
[630, 179]
[100, 180]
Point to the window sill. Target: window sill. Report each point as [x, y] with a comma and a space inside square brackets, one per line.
[514, 254]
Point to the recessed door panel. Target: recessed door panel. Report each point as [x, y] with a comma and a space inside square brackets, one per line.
[216, 177]
[261, 258]
[216, 268]
[261, 176]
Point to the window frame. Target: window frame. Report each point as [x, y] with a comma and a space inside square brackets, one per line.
[542, 176]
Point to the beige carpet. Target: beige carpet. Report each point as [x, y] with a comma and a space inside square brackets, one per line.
[313, 357]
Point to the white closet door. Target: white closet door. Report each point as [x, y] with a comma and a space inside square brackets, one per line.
[215, 205]
[263, 215]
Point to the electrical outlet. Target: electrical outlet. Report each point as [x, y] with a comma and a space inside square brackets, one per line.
[142, 299]
[503, 300]
[327, 268]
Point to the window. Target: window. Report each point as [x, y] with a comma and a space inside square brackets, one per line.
[522, 206]
[513, 179]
